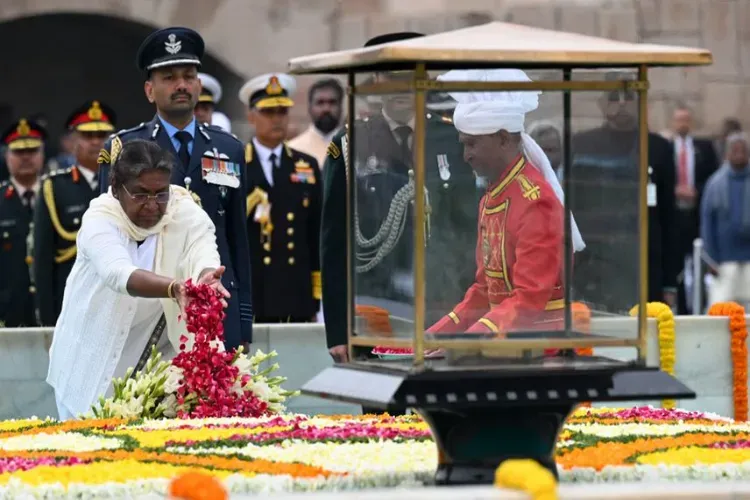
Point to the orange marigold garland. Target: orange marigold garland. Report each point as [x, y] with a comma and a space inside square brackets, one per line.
[666, 334]
[197, 486]
[738, 345]
[582, 323]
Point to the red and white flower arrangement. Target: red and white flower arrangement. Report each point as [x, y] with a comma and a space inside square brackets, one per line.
[203, 380]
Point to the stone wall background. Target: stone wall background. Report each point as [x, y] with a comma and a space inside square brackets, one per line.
[249, 37]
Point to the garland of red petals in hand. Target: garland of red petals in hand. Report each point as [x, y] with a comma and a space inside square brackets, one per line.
[208, 373]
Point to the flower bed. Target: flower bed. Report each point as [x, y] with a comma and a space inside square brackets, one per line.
[293, 452]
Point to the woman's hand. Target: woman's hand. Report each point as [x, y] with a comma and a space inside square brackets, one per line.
[178, 292]
[212, 277]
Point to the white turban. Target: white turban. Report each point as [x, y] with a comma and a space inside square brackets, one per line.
[487, 112]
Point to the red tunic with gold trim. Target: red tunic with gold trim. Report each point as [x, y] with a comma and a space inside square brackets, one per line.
[519, 257]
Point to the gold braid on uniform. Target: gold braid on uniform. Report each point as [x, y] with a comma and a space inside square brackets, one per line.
[49, 198]
[317, 286]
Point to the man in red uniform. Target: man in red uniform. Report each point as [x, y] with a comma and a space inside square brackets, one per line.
[520, 246]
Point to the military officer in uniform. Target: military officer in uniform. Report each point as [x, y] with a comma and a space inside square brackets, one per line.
[205, 110]
[209, 160]
[283, 208]
[66, 194]
[24, 141]
[383, 166]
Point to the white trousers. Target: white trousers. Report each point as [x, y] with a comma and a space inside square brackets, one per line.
[732, 283]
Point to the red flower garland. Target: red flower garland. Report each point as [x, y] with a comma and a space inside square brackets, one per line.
[208, 373]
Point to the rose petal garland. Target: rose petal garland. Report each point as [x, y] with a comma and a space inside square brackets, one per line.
[665, 327]
[738, 331]
[208, 373]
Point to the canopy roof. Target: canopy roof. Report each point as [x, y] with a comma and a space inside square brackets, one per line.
[500, 45]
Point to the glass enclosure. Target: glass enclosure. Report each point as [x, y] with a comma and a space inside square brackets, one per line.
[482, 260]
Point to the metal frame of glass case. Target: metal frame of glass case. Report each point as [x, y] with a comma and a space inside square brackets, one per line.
[497, 45]
[454, 400]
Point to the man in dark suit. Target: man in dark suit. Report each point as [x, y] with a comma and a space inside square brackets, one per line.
[66, 194]
[209, 160]
[696, 161]
[383, 170]
[283, 208]
[605, 201]
[24, 155]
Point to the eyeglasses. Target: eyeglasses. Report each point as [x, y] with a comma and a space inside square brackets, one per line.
[142, 198]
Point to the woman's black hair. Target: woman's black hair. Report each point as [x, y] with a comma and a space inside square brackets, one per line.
[136, 157]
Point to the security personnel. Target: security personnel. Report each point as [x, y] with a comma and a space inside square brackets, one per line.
[66, 194]
[24, 141]
[383, 164]
[283, 208]
[209, 161]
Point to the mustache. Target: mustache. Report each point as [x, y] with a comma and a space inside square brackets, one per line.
[180, 94]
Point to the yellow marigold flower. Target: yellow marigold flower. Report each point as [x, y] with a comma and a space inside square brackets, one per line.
[528, 476]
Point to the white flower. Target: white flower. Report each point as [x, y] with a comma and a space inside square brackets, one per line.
[169, 406]
[67, 441]
[174, 377]
[244, 364]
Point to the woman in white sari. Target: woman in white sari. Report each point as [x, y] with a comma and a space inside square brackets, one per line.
[137, 245]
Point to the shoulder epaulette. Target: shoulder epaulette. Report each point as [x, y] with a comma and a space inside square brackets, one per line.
[60, 171]
[127, 130]
[248, 152]
[333, 150]
[214, 128]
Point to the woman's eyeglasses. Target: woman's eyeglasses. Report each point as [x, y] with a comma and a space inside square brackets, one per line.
[142, 198]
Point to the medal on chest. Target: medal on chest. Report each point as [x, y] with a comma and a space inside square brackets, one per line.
[303, 173]
[444, 167]
[217, 169]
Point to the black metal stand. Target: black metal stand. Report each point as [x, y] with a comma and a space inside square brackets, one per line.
[483, 413]
[474, 442]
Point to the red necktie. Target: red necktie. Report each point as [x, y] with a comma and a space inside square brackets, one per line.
[682, 175]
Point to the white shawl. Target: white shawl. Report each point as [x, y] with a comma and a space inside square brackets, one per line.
[186, 243]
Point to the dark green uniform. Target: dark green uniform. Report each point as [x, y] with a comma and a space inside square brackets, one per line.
[16, 291]
[65, 196]
[382, 169]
